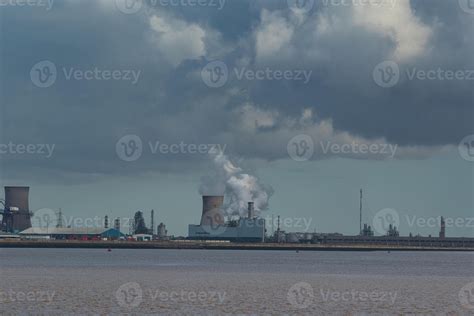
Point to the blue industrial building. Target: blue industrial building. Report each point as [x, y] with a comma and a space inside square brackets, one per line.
[243, 230]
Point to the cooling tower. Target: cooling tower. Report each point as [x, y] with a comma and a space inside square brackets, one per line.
[17, 207]
[212, 211]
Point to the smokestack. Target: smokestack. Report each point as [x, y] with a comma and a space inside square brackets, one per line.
[59, 224]
[117, 224]
[360, 213]
[152, 229]
[251, 210]
[17, 216]
[212, 210]
[442, 232]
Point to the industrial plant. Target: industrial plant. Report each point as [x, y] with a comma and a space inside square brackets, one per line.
[16, 222]
[215, 226]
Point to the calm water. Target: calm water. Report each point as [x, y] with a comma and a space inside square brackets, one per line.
[206, 282]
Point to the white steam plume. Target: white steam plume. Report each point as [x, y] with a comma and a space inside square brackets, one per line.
[238, 187]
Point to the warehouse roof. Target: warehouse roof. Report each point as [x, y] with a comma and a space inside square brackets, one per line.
[65, 231]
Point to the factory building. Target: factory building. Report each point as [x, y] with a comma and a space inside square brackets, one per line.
[69, 233]
[16, 215]
[214, 227]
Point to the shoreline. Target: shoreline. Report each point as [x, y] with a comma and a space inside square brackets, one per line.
[196, 245]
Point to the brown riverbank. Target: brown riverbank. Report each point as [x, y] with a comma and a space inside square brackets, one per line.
[214, 245]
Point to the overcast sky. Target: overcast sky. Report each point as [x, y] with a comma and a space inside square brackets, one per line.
[108, 107]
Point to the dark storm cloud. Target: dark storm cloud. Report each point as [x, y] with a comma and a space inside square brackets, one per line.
[170, 102]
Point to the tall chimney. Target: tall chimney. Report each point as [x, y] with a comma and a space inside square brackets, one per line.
[117, 224]
[212, 210]
[251, 210]
[442, 232]
[152, 229]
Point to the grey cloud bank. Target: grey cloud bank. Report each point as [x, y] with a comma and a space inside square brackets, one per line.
[141, 76]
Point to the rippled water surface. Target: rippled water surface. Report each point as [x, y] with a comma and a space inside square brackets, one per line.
[215, 282]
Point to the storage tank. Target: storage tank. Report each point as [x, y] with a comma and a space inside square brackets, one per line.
[292, 238]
